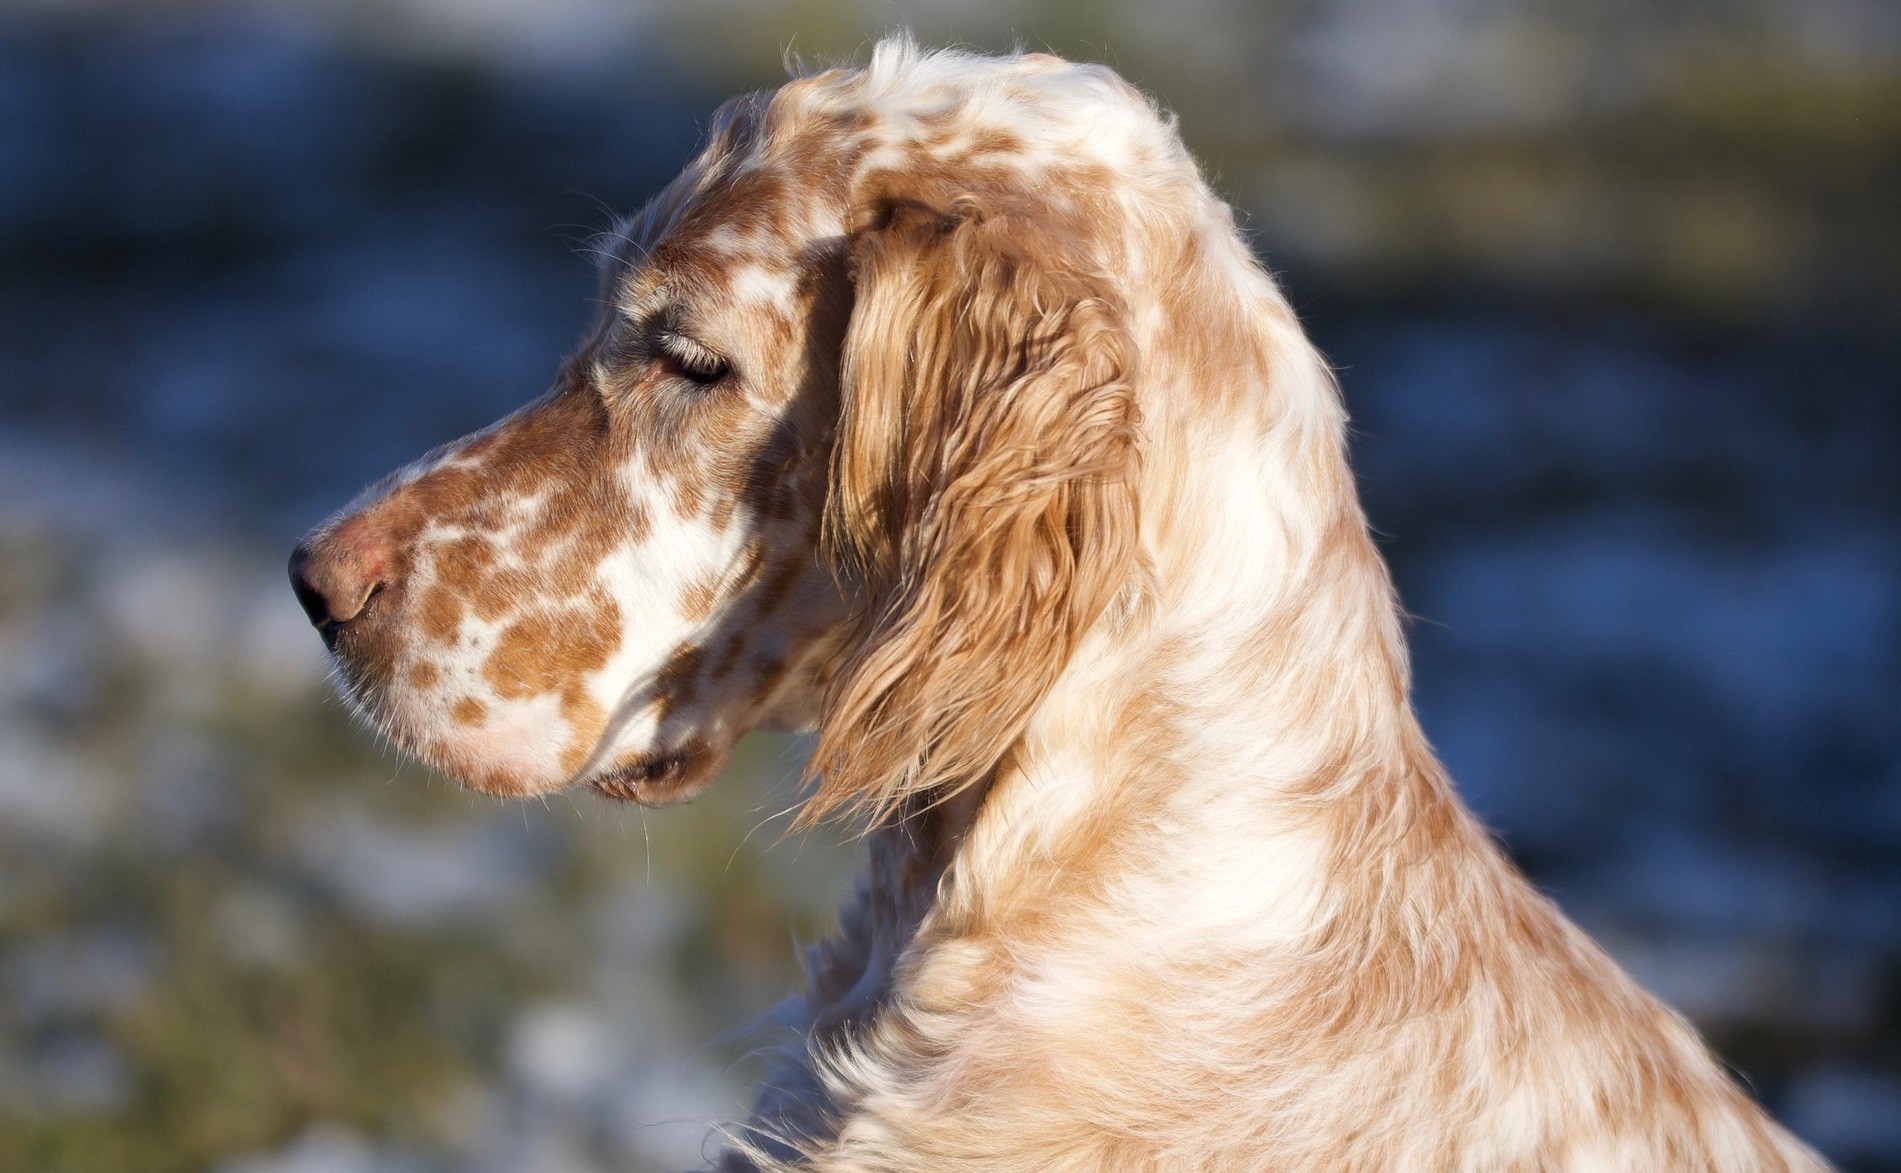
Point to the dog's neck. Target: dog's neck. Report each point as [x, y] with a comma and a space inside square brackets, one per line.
[1249, 689]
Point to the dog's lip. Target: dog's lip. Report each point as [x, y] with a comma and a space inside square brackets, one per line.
[652, 779]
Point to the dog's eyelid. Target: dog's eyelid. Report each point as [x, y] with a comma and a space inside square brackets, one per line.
[698, 362]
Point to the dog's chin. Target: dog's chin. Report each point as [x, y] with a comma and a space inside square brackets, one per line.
[501, 762]
[661, 778]
[496, 775]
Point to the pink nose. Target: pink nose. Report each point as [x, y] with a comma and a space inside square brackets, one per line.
[335, 574]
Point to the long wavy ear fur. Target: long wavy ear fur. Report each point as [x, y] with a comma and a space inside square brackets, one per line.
[982, 496]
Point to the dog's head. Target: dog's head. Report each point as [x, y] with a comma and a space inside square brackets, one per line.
[853, 443]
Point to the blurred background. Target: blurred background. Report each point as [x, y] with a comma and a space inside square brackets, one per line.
[1614, 291]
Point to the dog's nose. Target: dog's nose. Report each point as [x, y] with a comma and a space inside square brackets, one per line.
[334, 576]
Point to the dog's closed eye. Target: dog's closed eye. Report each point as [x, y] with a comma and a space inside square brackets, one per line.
[689, 359]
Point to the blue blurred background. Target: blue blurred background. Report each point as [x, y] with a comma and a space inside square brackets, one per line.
[1614, 291]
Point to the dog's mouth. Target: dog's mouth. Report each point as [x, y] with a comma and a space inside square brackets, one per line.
[656, 779]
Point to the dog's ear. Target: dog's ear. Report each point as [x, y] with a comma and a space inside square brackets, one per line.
[982, 496]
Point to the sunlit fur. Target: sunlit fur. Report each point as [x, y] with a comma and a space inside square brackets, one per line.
[1163, 873]
[982, 494]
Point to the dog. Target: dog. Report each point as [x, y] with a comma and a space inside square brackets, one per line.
[939, 407]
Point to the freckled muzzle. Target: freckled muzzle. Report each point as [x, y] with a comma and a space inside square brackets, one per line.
[463, 604]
